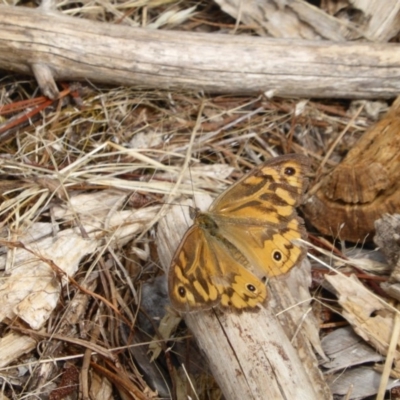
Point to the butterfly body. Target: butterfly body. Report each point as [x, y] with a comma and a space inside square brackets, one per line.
[245, 237]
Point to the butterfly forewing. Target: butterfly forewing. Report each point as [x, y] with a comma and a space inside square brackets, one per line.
[257, 214]
[268, 193]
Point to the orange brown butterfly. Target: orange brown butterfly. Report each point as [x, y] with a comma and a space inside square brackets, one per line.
[248, 234]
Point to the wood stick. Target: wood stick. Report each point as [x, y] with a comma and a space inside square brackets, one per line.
[250, 353]
[77, 49]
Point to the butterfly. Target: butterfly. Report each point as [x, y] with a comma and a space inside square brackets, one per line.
[247, 236]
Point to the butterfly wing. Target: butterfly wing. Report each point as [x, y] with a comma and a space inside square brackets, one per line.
[257, 214]
[276, 185]
[205, 272]
[270, 250]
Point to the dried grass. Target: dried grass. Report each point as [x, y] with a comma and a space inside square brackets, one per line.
[142, 150]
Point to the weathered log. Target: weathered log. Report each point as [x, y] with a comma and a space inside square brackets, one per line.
[256, 355]
[77, 49]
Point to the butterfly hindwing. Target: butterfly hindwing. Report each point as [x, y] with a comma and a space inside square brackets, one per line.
[271, 250]
[204, 273]
[189, 286]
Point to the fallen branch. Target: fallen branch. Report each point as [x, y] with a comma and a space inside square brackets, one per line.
[65, 48]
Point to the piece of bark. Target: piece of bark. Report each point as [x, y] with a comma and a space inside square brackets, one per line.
[345, 350]
[77, 49]
[370, 316]
[13, 346]
[251, 348]
[381, 19]
[363, 187]
[358, 383]
[388, 239]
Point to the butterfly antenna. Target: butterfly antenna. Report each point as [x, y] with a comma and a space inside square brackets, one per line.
[190, 146]
[188, 155]
[192, 185]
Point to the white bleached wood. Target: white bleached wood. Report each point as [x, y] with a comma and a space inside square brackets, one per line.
[383, 18]
[250, 349]
[345, 349]
[13, 346]
[378, 20]
[371, 317]
[286, 19]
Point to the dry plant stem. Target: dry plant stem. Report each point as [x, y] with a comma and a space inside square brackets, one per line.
[84, 378]
[79, 342]
[390, 358]
[250, 349]
[120, 380]
[76, 49]
[336, 142]
[44, 77]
